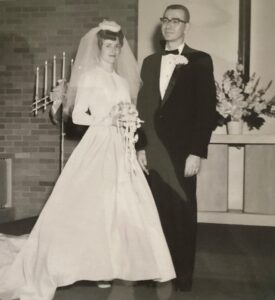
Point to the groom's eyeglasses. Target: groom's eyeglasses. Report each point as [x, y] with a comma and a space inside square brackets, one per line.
[174, 21]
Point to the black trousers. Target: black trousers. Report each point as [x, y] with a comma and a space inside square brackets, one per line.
[175, 197]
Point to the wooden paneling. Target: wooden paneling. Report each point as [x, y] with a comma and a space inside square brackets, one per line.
[212, 180]
[259, 195]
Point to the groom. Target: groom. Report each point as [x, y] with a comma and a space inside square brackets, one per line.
[177, 102]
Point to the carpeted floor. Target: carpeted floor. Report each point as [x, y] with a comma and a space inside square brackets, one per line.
[233, 262]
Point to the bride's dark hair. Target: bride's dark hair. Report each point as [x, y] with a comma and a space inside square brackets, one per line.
[109, 35]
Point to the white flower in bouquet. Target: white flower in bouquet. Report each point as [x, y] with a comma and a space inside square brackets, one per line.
[236, 114]
[226, 85]
[258, 106]
[249, 86]
[224, 109]
[235, 94]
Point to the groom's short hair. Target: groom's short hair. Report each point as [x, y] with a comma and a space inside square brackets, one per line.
[181, 7]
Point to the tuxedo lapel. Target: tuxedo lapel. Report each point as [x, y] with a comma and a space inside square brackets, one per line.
[175, 75]
[171, 83]
[157, 74]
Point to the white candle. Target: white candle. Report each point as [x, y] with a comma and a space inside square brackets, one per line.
[37, 83]
[46, 79]
[36, 91]
[63, 65]
[54, 71]
[45, 85]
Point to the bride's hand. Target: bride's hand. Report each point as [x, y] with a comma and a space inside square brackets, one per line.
[117, 120]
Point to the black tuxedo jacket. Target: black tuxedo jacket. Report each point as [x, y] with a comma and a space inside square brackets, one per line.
[184, 119]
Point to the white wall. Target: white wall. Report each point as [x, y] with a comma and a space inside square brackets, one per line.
[263, 50]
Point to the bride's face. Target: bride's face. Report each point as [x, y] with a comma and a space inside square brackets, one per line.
[110, 51]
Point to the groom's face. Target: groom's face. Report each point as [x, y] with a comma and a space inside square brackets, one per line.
[173, 32]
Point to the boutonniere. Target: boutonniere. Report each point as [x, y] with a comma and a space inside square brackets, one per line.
[180, 60]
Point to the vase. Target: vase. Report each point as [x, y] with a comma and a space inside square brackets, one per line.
[235, 127]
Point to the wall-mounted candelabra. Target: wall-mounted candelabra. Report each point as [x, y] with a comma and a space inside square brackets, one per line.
[54, 96]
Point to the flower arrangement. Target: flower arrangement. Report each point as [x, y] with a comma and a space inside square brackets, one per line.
[128, 122]
[243, 100]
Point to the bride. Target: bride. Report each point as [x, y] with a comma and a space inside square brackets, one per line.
[100, 222]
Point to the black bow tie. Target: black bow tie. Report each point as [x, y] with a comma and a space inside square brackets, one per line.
[166, 52]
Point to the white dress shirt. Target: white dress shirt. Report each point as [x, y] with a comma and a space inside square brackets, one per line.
[166, 70]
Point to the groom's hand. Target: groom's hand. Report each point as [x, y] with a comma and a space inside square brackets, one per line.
[142, 160]
[192, 165]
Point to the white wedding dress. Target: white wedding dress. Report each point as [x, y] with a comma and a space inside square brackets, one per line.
[100, 222]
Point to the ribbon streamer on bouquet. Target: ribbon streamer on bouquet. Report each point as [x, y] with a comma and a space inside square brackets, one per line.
[127, 124]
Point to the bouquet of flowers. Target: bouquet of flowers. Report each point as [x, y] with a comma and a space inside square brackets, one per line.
[128, 122]
[241, 100]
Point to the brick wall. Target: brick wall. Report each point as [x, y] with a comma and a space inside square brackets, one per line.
[32, 31]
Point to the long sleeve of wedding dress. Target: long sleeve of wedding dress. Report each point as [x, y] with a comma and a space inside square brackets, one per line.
[80, 113]
[87, 95]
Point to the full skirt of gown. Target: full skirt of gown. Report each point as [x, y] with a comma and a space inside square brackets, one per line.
[100, 223]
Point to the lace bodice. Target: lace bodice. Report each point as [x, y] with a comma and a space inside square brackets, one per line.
[99, 91]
